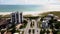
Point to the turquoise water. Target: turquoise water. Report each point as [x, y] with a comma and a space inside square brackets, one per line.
[11, 8]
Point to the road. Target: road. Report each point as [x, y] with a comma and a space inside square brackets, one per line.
[26, 31]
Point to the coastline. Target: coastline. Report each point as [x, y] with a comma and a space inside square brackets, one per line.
[26, 13]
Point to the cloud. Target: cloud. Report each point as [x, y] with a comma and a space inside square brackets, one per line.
[37, 2]
[23, 2]
[12, 2]
[53, 5]
[54, 2]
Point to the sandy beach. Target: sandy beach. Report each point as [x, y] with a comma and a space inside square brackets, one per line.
[26, 13]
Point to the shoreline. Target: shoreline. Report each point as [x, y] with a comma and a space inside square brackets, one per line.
[26, 13]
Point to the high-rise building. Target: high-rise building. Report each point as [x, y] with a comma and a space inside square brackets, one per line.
[17, 17]
[13, 17]
[21, 17]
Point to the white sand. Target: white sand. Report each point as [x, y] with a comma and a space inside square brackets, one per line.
[25, 13]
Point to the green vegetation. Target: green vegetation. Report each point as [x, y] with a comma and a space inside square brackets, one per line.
[29, 15]
[57, 23]
[4, 16]
[58, 32]
[57, 13]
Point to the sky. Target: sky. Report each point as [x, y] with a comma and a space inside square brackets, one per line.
[23, 2]
[53, 5]
[36, 2]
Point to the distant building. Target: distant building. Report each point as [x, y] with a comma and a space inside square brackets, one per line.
[48, 21]
[16, 17]
[45, 21]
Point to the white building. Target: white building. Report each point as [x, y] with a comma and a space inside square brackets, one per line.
[16, 17]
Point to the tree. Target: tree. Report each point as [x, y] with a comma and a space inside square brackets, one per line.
[57, 25]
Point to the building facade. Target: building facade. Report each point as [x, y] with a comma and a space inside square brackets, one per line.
[16, 18]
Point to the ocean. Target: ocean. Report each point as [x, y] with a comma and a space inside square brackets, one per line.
[20, 8]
